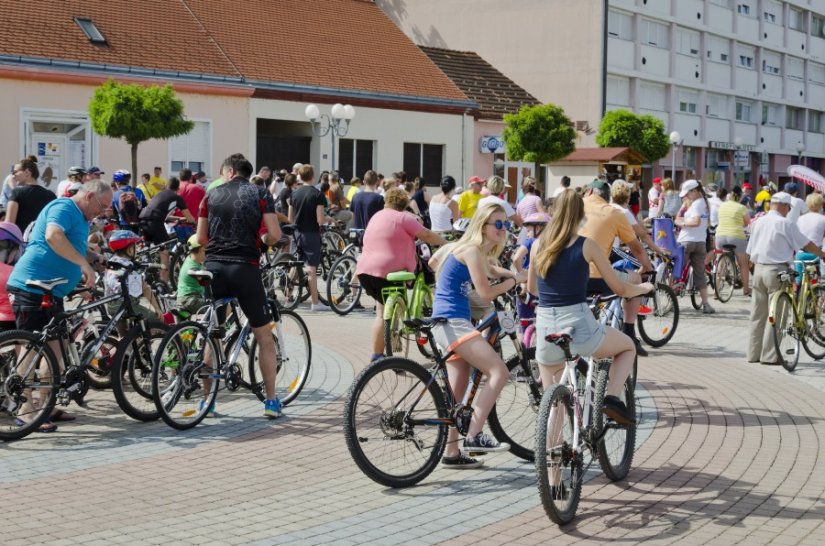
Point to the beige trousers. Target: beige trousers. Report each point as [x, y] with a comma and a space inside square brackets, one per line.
[765, 283]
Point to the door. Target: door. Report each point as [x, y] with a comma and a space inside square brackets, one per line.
[282, 152]
[52, 157]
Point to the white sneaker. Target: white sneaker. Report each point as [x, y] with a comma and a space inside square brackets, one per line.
[319, 307]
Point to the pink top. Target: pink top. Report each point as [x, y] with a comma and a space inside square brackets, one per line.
[5, 306]
[389, 243]
[527, 205]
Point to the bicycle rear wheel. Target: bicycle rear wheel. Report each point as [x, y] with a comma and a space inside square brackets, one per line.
[184, 377]
[29, 381]
[132, 371]
[426, 312]
[285, 281]
[618, 444]
[813, 345]
[513, 418]
[785, 337]
[657, 328]
[383, 422]
[725, 278]
[293, 350]
[695, 297]
[559, 464]
[343, 288]
[396, 340]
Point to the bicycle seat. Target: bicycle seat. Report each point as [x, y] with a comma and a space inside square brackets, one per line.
[47, 286]
[401, 276]
[203, 276]
[560, 337]
[729, 247]
[423, 323]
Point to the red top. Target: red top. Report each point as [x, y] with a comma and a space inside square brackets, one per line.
[193, 195]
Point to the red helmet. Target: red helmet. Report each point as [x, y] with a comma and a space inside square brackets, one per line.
[121, 239]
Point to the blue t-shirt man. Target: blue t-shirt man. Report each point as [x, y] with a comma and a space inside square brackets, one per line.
[39, 261]
[364, 206]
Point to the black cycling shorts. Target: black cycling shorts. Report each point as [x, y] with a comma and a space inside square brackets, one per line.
[242, 282]
[373, 286]
[154, 232]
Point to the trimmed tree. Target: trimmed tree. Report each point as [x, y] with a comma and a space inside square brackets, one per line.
[540, 134]
[643, 133]
[137, 113]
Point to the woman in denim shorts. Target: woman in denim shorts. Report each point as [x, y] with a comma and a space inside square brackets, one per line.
[559, 270]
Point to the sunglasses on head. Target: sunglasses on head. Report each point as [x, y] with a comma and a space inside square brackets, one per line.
[500, 224]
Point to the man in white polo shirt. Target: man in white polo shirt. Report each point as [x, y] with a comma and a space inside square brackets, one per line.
[772, 246]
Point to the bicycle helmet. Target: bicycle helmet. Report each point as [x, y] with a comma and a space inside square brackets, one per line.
[76, 171]
[537, 219]
[461, 224]
[121, 239]
[121, 176]
[10, 232]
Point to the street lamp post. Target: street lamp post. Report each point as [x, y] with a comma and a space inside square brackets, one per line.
[335, 124]
[800, 147]
[675, 139]
[738, 142]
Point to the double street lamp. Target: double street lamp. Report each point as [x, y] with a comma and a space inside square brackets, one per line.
[675, 140]
[335, 124]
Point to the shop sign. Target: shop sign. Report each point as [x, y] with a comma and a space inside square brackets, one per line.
[729, 146]
[492, 145]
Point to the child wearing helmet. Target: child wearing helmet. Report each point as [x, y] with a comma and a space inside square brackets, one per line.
[10, 241]
[533, 225]
[123, 243]
[191, 296]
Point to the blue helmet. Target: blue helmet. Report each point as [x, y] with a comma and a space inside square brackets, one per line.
[121, 176]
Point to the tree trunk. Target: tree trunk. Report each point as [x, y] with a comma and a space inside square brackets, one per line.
[541, 177]
[135, 177]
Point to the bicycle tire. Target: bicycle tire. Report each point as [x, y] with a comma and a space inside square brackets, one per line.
[294, 359]
[426, 312]
[285, 281]
[817, 318]
[13, 387]
[396, 342]
[725, 278]
[176, 259]
[617, 447]
[557, 405]
[518, 405]
[785, 340]
[658, 328]
[132, 371]
[812, 317]
[695, 296]
[178, 373]
[342, 293]
[405, 453]
[99, 373]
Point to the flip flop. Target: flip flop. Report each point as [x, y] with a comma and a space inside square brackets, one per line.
[45, 427]
[61, 415]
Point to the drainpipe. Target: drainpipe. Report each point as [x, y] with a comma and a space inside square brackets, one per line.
[464, 146]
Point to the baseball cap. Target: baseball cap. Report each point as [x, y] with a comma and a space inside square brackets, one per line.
[657, 180]
[476, 180]
[746, 186]
[600, 185]
[688, 185]
[782, 198]
[193, 242]
[791, 187]
[95, 170]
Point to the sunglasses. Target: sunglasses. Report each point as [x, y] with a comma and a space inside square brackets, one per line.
[500, 224]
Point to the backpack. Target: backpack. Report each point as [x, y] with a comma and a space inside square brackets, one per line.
[128, 207]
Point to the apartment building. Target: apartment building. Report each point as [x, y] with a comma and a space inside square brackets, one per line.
[741, 81]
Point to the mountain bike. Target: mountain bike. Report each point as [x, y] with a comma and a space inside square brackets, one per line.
[725, 273]
[797, 315]
[343, 288]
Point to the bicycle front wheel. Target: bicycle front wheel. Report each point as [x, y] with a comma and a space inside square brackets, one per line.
[559, 463]
[343, 288]
[132, 371]
[293, 354]
[725, 278]
[396, 339]
[814, 340]
[184, 376]
[657, 328]
[285, 281]
[388, 422]
[785, 337]
[513, 418]
[618, 442]
[29, 381]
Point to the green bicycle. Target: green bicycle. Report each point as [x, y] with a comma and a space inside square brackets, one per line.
[797, 316]
[400, 305]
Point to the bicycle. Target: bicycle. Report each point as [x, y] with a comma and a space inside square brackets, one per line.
[684, 285]
[397, 411]
[287, 279]
[570, 422]
[725, 273]
[190, 363]
[343, 288]
[401, 305]
[797, 315]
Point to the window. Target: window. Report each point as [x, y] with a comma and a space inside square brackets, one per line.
[355, 157]
[425, 160]
[745, 61]
[743, 9]
[769, 113]
[192, 150]
[714, 157]
[771, 62]
[687, 42]
[652, 96]
[816, 73]
[796, 19]
[772, 12]
[618, 90]
[90, 30]
[687, 101]
[689, 157]
[793, 118]
[815, 121]
[716, 106]
[743, 111]
[745, 55]
[795, 68]
[817, 26]
[653, 33]
[620, 25]
[723, 3]
[718, 49]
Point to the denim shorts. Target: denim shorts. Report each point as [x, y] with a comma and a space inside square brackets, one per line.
[449, 335]
[588, 333]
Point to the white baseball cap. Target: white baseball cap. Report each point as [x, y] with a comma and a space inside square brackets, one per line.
[688, 185]
[782, 198]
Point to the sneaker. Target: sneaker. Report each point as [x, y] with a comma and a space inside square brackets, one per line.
[640, 351]
[461, 462]
[211, 412]
[616, 410]
[707, 309]
[482, 443]
[273, 408]
[319, 307]
[645, 310]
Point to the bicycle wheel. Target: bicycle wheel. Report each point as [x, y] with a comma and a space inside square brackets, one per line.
[426, 312]
[618, 442]
[725, 278]
[387, 426]
[285, 281]
[657, 328]
[396, 340]
[785, 337]
[343, 288]
[99, 372]
[815, 315]
[513, 418]
[811, 313]
[176, 260]
[559, 465]
[29, 381]
[293, 350]
[132, 371]
[695, 297]
[184, 375]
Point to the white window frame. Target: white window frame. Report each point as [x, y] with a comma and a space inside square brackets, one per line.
[772, 12]
[818, 26]
[796, 19]
[770, 112]
[688, 101]
[743, 9]
[208, 164]
[798, 121]
[620, 25]
[618, 90]
[654, 34]
[688, 42]
[795, 68]
[745, 56]
[816, 73]
[718, 49]
[716, 106]
[771, 63]
[815, 124]
[652, 96]
[744, 111]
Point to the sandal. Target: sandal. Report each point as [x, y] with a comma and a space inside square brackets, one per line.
[61, 415]
[45, 427]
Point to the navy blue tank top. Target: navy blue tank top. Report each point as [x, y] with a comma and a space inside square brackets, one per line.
[566, 282]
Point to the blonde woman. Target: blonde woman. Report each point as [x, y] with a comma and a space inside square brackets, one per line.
[559, 270]
[466, 264]
[669, 202]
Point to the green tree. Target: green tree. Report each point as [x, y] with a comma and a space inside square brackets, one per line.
[644, 134]
[137, 113]
[540, 134]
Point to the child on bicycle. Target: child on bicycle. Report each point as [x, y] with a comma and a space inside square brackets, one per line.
[123, 244]
[533, 225]
[191, 296]
[467, 263]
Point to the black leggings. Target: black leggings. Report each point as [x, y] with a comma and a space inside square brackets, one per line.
[243, 282]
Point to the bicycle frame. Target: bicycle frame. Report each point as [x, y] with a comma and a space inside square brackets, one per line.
[413, 298]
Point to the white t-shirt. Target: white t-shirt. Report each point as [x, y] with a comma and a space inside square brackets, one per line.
[812, 226]
[111, 279]
[630, 218]
[798, 208]
[509, 211]
[653, 198]
[714, 203]
[697, 234]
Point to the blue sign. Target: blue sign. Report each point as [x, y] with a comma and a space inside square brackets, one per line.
[492, 145]
[41, 148]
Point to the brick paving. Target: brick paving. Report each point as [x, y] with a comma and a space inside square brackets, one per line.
[727, 452]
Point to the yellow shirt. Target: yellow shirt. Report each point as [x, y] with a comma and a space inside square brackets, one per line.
[732, 220]
[468, 203]
[351, 193]
[155, 185]
[764, 197]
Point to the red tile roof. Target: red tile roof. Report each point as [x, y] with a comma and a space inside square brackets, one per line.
[343, 44]
[605, 154]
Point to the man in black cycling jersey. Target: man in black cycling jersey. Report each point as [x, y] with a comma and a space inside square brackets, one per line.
[153, 219]
[229, 224]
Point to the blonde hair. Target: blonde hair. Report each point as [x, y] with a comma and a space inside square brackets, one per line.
[620, 193]
[474, 236]
[396, 199]
[388, 183]
[568, 213]
[667, 184]
[814, 202]
[495, 184]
